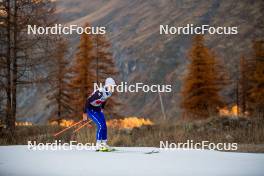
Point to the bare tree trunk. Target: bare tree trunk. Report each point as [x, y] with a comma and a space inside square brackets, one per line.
[243, 85]
[14, 67]
[9, 118]
[237, 96]
[162, 107]
[59, 104]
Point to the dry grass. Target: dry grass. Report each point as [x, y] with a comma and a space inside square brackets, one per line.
[249, 135]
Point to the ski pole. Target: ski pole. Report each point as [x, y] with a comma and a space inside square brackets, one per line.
[56, 134]
[86, 123]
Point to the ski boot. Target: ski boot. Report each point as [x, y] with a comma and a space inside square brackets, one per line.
[101, 146]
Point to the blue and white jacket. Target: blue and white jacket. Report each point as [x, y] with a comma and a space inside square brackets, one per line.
[96, 101]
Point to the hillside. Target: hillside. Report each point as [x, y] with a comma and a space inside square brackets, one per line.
[143, 55]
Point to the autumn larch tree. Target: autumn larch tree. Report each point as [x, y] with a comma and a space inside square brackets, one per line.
[105, 67]
[82, 74]
[243, 85]
[256, 93]
[200, 93]
[22, 54]
[58, 93]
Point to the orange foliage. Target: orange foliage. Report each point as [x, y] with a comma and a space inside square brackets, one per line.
[128, 123]
[202, 84]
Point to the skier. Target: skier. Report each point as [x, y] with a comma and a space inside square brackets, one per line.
[94, 109]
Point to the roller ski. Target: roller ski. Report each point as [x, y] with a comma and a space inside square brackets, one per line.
[101, 146]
